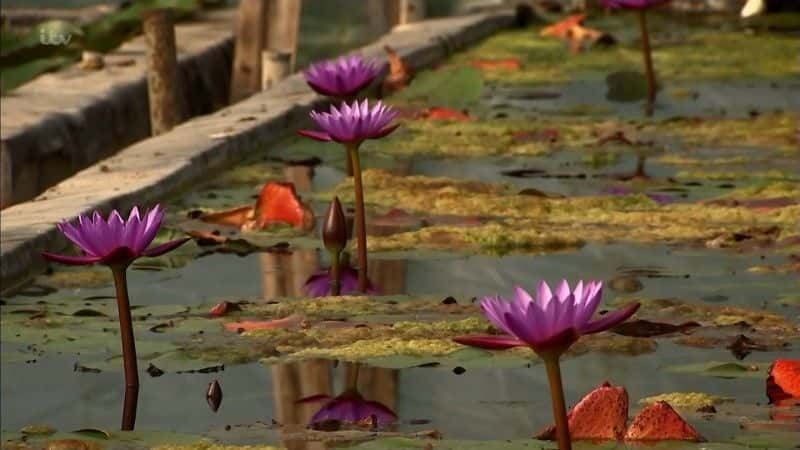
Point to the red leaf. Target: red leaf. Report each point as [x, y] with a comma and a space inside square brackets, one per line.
[399, 73]
[441, 113]
[236, 217]
[248, 325]
[600, 415]
[279, 203]
[206, 237]
[491, 64]
[784, 380]
[561, 29]
[659, 422]
[223, 309]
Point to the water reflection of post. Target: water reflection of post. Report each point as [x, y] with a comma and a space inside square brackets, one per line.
[375, 383]
[291, 382]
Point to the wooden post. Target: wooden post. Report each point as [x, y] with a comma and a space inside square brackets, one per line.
[163, 88]
[410, 11]
[275, 66]
[377, 11]
[6, 185]
[250, 35]
[283, 28]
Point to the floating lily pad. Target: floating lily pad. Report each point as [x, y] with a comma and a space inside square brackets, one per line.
[452, 87]
[723, 369]
[626, 86]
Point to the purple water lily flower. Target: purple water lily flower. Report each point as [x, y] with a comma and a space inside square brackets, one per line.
[117, 243]
[114, 241]
[350, 407]
[551, 322]
[548, 325]
[319, 284]
[353, 124]
[633, 4]
[342, 77]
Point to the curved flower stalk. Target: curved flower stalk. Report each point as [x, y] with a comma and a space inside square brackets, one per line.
[549, 325]
[641, 6]
[116, 242]
[350, 125]
[343, 77]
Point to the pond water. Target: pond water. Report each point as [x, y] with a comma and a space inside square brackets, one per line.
[472, 399]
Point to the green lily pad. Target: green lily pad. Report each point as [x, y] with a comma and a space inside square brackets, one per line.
[456, 88]
[626, 86]
[723, 369]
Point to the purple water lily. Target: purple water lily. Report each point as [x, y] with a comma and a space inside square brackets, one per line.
[551, 321]
[320, 285]
[114, 241]
[549, 325]
[117, 243]
[343, 77]
[350, 125]
[633, 4]
[353, 124]
[350, 407]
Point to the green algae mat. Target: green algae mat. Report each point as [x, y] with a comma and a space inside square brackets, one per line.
[500, 175]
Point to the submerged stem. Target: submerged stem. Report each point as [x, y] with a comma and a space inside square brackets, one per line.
[648, 60]
[352, 377]
[336, 277]
[361, 221]
[128, 348]
[559, 405]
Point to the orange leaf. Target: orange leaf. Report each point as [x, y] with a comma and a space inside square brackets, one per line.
[236, 217]
[247, 325]
[659, 422]
[207, 238]
[441, 113]
[279, 203]
[561, 29]
[399, 73]
[784, 380]
[224, 308]
[491, 64]
[600, 415]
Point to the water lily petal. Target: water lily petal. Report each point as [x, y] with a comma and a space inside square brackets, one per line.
[159, 250]
[610, 319]
[71, 260]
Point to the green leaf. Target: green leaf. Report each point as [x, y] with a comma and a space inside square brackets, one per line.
[626, 86]
[455, 88]
[723, 369]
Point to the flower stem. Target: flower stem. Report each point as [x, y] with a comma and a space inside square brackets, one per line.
[648, 60]
[352, 377]
[128, 348]
[336, 283]
[361, 221]
[559, 406]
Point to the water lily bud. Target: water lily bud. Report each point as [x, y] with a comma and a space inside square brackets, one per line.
[214, 395]
[334, 229]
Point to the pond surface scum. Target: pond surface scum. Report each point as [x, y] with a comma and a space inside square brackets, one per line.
[501, 174]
